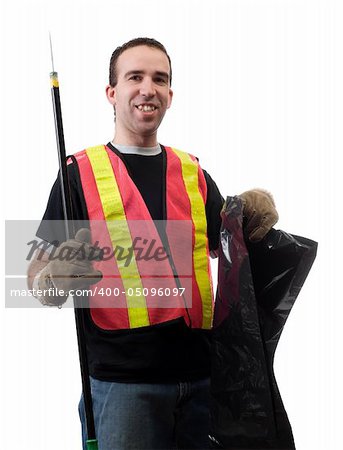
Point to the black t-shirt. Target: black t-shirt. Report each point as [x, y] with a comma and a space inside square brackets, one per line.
[160, 353]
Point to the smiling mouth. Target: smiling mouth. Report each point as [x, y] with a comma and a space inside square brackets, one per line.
[146, 108]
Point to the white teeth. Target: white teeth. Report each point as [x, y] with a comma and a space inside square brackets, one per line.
[146, 108]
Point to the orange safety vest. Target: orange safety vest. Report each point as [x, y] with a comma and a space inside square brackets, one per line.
[137, 292]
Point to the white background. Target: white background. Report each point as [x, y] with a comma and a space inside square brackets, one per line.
[257, 97]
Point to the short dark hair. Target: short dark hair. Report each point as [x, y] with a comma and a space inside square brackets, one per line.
[149, 42]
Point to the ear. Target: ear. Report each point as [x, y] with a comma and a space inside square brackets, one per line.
[111, 94]
[170, 97]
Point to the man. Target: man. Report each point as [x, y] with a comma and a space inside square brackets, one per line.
[149, 365]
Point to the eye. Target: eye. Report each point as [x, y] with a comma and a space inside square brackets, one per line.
[135, 78]
[160, 80]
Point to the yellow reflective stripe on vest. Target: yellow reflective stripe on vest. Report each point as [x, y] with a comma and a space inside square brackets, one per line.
[200, 258]
[119, 232]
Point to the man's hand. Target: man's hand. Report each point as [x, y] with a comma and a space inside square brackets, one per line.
[70, 269]
[259, 213]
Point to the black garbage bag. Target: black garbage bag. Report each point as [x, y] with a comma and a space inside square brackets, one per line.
[257, 288]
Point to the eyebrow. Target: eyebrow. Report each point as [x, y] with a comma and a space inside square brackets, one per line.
[141, 72]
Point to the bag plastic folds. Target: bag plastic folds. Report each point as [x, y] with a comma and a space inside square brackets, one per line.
[257, 287]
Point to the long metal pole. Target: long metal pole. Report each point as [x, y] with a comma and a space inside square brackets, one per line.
[92, 443]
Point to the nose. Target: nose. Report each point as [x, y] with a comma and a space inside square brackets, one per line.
[147, 87]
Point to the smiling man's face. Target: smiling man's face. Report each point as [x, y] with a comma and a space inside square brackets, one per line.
[141, 96]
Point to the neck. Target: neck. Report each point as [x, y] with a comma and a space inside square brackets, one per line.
[135, 140]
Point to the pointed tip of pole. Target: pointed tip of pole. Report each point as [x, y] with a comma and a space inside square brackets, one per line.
[52, 56]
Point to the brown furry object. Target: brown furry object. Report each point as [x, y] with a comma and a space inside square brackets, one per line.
[259, 213]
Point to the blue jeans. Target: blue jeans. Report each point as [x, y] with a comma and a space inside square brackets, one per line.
[149, 416]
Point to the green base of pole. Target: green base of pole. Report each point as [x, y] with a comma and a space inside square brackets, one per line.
[92, 444]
